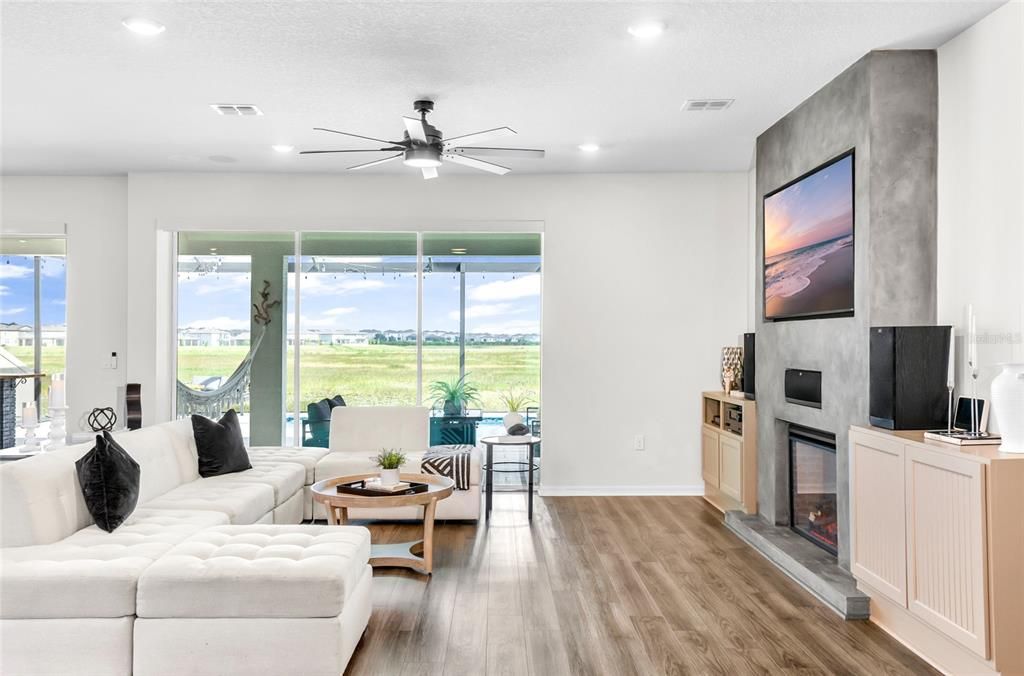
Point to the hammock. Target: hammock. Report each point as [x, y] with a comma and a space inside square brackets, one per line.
[233, 392]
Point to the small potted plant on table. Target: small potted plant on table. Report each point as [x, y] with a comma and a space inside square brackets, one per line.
[453, 395]
[515, 402]
[390, 460]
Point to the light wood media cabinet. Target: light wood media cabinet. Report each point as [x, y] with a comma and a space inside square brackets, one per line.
[729, 451]
[937, 542]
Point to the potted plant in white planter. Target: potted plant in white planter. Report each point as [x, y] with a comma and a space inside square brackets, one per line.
[453, 395]
[515, 402]
[390, 460]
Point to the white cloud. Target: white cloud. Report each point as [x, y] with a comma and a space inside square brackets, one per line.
[6, 311]
[324, 322]
[5, 290]
[520, 287]
[338, 311]
[210, 284]
[324, 285]
[511, 327]
[226, 323]
[8, 271]
[487, 310]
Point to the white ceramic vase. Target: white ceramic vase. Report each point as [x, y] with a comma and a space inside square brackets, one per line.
[389, 477]
[511, 419]
[1008, 406]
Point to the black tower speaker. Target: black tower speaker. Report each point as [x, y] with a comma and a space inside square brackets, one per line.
[748, 365]
[908, 377]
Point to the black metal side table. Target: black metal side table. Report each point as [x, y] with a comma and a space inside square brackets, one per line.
[529, 465]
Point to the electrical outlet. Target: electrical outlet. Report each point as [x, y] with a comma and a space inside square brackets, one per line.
[638, 442]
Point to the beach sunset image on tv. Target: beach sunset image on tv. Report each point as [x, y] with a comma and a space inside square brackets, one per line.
[808, 244]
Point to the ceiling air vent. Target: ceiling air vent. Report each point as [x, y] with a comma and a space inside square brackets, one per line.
[236, 109]
[710, 105]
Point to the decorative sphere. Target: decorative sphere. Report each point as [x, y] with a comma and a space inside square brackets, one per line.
[101, 419]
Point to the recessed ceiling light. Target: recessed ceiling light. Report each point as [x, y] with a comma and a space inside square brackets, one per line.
[589, 147]
[646, 30]
[137, 24]
[283, 148]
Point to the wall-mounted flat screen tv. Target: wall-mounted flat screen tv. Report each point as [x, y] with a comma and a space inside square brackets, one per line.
[808, 244]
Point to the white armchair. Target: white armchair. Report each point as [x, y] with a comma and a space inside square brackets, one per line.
[358, 433]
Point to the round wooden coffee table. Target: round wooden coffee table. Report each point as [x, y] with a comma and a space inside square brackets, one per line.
[401, 554]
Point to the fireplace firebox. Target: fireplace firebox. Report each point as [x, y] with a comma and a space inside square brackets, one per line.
[812, 487]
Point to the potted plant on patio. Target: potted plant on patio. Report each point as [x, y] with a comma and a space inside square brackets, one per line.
[453, 395]
[515, 402]
[390, 460]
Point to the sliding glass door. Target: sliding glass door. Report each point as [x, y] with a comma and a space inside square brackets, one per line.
[33, 313]
[481, 314]
[374, 317]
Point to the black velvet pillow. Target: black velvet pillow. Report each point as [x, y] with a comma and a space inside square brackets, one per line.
[220, 446]
[336, 401]
[319, 411]
[110, 482]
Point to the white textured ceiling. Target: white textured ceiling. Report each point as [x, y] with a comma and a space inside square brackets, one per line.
[80, 94]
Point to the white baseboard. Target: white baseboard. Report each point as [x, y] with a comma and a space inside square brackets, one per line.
[546, 490]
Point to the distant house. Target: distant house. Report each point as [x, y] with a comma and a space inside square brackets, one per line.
[22, 335]
[343, 338]
[212, 337]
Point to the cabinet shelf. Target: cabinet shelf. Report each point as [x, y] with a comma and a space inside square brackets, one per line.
[729, 452]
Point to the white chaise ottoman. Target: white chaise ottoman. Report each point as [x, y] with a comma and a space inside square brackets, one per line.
[255, 600]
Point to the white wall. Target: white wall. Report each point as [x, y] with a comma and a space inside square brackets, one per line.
[981, 187]
[644, 282]
[93, 211]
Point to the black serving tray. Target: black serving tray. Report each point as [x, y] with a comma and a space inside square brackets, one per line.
[359, 488]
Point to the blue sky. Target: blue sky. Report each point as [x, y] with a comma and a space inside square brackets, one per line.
[495, 302]
[16, 290]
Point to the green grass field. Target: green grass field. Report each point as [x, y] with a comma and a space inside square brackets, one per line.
[363, 374]
[383, 374]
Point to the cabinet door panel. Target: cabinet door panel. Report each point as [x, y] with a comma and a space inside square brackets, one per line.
[730, 472]
[946, 572]
[709, 456]
[878, 554]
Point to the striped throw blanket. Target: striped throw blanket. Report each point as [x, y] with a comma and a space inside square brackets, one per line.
[450, 461]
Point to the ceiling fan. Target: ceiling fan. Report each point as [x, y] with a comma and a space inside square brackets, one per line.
[424, 146]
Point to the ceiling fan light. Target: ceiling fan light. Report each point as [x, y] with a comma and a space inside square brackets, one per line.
[422, 158]
[143, 26]
[646, 30]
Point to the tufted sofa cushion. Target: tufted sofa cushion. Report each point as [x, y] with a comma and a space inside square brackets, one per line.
[71, 580]
[286, 478]
[257, 571]
[169, 526]
[243, 503]
[306, 456]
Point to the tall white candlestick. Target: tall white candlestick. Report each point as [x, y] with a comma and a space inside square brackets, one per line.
[57, 390]
[29, 415]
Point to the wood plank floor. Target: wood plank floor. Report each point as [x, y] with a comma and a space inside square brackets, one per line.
[623, 585]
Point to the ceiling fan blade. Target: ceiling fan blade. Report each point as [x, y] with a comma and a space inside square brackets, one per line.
[345, 133]
[478, 164]
[477, 137]
[415, 128]
[498, 152]
[375, 162]
[429, 172]
[368, 150]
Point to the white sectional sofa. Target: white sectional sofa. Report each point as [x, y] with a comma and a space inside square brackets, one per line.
[70, 593]
[358, 433]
